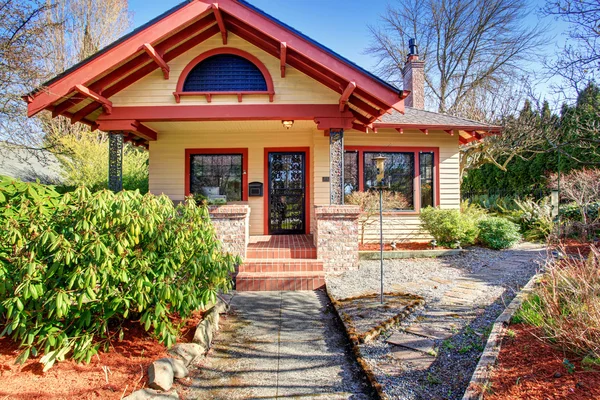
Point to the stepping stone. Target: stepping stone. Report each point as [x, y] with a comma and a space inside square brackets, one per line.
[417, 360]
[418, 343]
[441, 281]
[429, 331]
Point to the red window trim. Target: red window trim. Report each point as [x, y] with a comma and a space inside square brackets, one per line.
[224, 50]
[242, 151]
[417, 175]
[307, 172]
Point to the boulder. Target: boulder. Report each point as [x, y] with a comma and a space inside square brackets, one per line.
[187, 352]
[160, 375]
[178, 367]
[204, 332]
[147, 394]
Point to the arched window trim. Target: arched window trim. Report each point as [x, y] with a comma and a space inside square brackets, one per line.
[224, 50]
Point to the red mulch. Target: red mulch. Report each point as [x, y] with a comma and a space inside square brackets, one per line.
[531, 369]
[128, 361]
[575, 247]
[399, 246]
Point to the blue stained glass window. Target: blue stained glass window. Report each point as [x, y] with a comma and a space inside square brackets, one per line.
[225, 73]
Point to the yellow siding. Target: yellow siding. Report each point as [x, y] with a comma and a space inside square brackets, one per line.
[407, 227]
[167, 162]
[167, 154]
[294, 88]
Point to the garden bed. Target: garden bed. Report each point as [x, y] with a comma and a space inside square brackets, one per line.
[126, 366]
[531, 369]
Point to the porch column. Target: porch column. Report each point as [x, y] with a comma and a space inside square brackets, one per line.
[115, 161]
[336, 166]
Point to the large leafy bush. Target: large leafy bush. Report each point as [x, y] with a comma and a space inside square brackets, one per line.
[498, 233]
[449, 227]
[74, 267]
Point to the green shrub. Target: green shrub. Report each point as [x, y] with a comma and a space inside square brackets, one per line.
[534, 218]
[449, 226]
[498, 233]
[73, 267]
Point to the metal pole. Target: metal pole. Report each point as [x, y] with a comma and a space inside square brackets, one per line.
[381, 235]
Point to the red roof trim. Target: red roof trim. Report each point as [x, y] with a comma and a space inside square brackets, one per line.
[316, 54]
[114, 56]
[224, 50]
[237, 112]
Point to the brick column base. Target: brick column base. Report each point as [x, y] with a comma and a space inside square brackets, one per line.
[336, 237]
[232, 225]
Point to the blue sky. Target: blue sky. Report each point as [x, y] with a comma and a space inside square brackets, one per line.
[341, 25]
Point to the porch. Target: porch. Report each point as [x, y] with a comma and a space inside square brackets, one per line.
[289, 262]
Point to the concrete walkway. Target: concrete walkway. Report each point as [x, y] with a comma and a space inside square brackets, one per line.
[278, 345]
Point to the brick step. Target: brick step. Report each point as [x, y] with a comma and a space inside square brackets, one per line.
[288, 281]
[281, 252]
[280, 265]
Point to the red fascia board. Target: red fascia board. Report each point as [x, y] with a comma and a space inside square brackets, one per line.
[114, 56]
[317, 54]
[130, 66]
[177, 51]
[235, 112]
[245, 172]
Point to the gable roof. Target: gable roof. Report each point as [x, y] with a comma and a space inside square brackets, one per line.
[84, 89]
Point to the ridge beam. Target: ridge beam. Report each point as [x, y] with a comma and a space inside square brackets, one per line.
[157, 58]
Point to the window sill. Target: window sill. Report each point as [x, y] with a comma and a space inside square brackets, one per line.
[208, 95]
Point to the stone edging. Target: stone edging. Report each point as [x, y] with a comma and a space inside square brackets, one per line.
[482, 374]
[374, 255]
[162, 372]
[355, 341]
[416, 303]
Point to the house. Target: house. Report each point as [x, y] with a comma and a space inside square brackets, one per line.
[233, 104]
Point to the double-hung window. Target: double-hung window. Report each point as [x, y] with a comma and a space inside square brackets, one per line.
[409, 173]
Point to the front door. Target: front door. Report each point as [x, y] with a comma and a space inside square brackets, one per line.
[286, 185]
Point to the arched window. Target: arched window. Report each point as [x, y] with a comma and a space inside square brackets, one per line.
[225, 71]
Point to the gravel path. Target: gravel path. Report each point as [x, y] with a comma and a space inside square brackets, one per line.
[464, 294]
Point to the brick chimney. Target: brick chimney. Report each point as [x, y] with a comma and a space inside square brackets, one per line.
[414, 78]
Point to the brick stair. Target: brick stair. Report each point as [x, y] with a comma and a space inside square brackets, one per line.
[280, 263]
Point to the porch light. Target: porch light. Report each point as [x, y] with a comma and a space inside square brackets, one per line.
[380, 163]
[287, 124]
